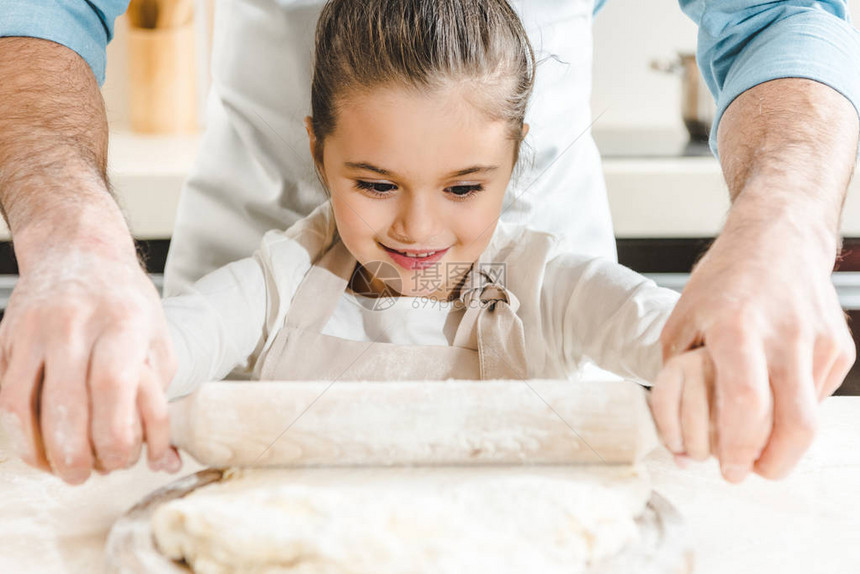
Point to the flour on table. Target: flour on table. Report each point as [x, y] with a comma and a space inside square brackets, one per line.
[404, 520]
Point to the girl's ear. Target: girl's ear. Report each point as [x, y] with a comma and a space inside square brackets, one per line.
[312, 140]
[525, 130]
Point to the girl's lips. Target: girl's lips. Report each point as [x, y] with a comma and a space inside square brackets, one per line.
[411, 263]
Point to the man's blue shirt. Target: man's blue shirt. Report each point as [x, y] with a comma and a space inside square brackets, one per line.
[741, 43]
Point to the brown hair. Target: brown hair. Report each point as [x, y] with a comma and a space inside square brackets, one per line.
[423, 44]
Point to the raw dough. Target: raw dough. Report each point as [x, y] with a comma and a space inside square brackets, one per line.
[407, 520]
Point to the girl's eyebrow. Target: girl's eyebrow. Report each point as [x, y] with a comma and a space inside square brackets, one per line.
[458, 173]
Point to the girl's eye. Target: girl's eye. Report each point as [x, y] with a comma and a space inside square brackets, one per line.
[465, 191]
[383, 189]
[375, 187]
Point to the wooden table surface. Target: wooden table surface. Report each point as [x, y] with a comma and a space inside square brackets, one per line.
[808, 523]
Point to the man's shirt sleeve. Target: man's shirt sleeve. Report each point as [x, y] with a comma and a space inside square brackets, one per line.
[81, 25]
[743, 43]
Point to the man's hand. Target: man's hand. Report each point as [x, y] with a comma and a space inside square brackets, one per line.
[761, 300]
[85, 358]
[84, 351]
[764, 306]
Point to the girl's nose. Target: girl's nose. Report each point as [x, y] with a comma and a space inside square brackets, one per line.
[415, 220]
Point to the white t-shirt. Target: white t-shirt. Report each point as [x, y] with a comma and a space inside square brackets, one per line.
[576, 309]
[409, 321]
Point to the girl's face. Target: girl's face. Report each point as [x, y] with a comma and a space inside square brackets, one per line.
[414, 174]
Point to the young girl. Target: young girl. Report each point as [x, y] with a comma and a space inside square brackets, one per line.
[406, 272]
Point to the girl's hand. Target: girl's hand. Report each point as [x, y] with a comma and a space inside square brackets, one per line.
[683, 406]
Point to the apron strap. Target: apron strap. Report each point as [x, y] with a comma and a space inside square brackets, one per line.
[492, 326]
[321, 289]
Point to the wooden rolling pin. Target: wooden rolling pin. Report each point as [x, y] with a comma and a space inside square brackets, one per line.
[351, 423]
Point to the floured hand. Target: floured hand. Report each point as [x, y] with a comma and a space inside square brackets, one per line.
[85, 358]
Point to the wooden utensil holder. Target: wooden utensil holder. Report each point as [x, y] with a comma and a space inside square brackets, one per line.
[162, 79]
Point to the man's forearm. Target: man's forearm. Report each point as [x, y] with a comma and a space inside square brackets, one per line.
[53, 150]
[788, 150]
[84, 347]
[761, 301]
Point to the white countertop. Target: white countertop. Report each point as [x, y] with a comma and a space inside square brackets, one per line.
[808, 523]
[649, 197]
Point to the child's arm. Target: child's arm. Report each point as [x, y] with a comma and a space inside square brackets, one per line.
[225, 319]
[612, 315]
[597, 309]
[217, 324]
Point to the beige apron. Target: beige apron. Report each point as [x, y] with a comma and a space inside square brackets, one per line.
[488, 344]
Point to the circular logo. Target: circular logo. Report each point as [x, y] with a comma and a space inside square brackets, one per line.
[377, 283]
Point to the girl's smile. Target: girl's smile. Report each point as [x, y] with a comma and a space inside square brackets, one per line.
[411, 259]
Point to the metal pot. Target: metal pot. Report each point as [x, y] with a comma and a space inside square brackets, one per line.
[697, 104]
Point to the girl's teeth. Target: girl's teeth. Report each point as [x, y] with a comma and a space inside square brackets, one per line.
[421, 256]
